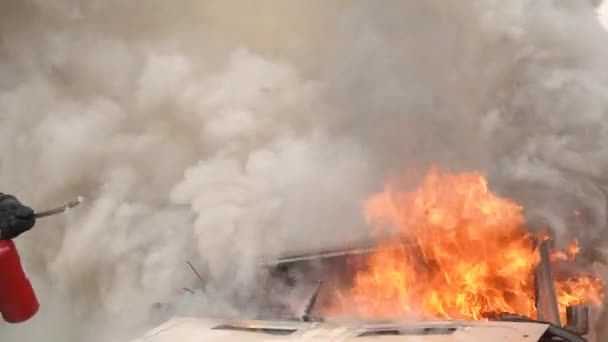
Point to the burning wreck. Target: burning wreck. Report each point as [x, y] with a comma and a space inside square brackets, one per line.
[451, 261]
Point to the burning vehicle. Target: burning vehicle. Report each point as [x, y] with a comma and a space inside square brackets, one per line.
[450, 261]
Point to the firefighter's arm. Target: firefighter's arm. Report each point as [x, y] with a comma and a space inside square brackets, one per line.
[15, 218]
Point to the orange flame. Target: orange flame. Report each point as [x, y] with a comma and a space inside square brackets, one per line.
[451, 249]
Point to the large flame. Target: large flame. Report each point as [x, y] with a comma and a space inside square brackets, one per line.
[451, 249]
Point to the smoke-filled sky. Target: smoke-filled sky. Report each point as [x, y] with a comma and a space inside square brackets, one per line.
[222, 132]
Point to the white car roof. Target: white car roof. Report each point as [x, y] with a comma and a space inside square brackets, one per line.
[189, 329]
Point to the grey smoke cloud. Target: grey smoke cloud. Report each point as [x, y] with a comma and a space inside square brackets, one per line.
[221, 132]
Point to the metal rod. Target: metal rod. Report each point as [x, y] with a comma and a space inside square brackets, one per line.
[310, 303]
[320, 256]
[546, 298]
[196, 272]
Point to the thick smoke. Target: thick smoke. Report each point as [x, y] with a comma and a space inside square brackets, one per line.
[225, 132]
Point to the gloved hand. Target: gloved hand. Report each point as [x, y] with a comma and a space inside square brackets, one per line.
[15, 218]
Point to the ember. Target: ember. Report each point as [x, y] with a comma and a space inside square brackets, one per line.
[455, 250]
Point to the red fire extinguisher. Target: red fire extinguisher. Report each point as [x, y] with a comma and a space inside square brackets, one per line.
[18, 301]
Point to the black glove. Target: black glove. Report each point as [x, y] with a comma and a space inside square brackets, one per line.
[15, 218]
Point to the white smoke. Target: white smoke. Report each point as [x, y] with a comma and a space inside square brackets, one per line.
[222, 132]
